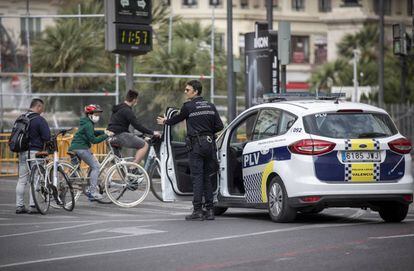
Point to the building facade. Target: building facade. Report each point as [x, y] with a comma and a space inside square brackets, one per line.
[316, 25]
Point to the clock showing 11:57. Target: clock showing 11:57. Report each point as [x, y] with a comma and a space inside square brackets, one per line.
[133, 38]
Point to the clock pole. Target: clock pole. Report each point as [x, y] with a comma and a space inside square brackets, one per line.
[129, 72]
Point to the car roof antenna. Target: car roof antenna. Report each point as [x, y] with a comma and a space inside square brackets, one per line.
[339, 95]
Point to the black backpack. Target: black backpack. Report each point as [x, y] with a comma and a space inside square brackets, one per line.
[19, 138]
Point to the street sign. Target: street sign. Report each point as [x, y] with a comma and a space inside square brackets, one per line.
[129, 11]
[261, 64]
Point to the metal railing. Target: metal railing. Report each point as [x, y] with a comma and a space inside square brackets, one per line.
[9, 161]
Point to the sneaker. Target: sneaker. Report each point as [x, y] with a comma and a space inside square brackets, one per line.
[21, 210]
[95, 196]
[33, 210]
[195, 216]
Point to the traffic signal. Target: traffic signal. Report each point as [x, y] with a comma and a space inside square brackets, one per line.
[401, 41]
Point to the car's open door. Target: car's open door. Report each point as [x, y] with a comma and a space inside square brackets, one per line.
[175, 172]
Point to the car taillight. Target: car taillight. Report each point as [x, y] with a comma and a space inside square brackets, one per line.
[311, 147]
[401, 145]
[408, 198]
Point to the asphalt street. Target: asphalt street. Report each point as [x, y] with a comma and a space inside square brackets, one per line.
[155, 236]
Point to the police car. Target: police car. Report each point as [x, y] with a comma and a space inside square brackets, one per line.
[301, 156]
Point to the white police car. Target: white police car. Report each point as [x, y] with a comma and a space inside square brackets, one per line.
[301, 156]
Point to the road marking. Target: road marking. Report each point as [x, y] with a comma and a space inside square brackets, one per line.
[97, 221]
[129, 231]
[48, 230]
[393, 236]
[198, 241]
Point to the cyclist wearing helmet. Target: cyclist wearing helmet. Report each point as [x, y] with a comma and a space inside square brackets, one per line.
[82, 141]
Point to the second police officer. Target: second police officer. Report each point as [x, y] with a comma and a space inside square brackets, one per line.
[203, 121]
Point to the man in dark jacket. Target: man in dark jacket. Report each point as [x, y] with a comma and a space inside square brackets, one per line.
[39, 133]
[203, 121]
[122, 117]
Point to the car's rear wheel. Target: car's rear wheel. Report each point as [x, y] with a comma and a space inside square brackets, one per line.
[277, 199]
[393, 212]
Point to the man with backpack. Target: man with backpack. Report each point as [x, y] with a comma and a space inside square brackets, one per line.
[30, 132]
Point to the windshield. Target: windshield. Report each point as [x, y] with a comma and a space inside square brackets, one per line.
[350, 125]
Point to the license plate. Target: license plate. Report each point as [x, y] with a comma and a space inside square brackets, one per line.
[361, 156]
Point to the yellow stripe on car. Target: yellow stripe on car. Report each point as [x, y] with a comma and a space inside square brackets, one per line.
[267, 171]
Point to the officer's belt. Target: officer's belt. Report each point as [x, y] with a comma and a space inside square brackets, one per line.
[202, 135]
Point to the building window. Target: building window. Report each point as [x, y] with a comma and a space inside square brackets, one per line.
[241, 44]
[256, 3]
[189, 3]
[215, 3]
[300, 49]
[244, 4]
[34, 29]
[275, 3]
[387, 7]
[321, 53]
[325, 5]
[219, 41]
[410, 11]
[298, 5]
[351, 3]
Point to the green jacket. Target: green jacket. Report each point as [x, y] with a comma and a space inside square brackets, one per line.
[86, 135]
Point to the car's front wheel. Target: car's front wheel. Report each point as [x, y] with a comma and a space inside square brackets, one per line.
[393, 212]
[277, 199]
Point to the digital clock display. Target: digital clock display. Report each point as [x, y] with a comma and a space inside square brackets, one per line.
[134, 38]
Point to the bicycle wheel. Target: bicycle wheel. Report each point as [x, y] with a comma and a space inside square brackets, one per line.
[154, 173]
[65, 191]
[127, 184]
[74, 177]
[39, 189]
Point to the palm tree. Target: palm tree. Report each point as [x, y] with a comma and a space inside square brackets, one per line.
[73, 46]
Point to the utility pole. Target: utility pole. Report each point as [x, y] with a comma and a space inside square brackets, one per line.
[381, 55]
[355, 96]
[270, 14]
[129, 70]
[231, 102]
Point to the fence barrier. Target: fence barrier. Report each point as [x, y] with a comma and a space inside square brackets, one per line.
[9, 160]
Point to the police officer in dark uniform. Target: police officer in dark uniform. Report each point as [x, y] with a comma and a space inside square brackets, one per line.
[203, 121]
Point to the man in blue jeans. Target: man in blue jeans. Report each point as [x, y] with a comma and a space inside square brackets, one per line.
[39, 133]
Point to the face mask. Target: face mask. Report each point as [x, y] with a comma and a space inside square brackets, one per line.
[94, 119]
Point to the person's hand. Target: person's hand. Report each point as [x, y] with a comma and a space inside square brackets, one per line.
[109, 133]
[161, 120]
[157, 134]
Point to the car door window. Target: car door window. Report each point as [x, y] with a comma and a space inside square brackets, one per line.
[243, 132]
[267, 124]
[286, 122]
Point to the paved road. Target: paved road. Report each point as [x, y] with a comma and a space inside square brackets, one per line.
[154, 236]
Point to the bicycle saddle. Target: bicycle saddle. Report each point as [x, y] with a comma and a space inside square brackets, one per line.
[41, 154]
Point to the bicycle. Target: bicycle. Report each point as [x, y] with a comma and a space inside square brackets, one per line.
[153, 167]
[122, 182]
[47, 181]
